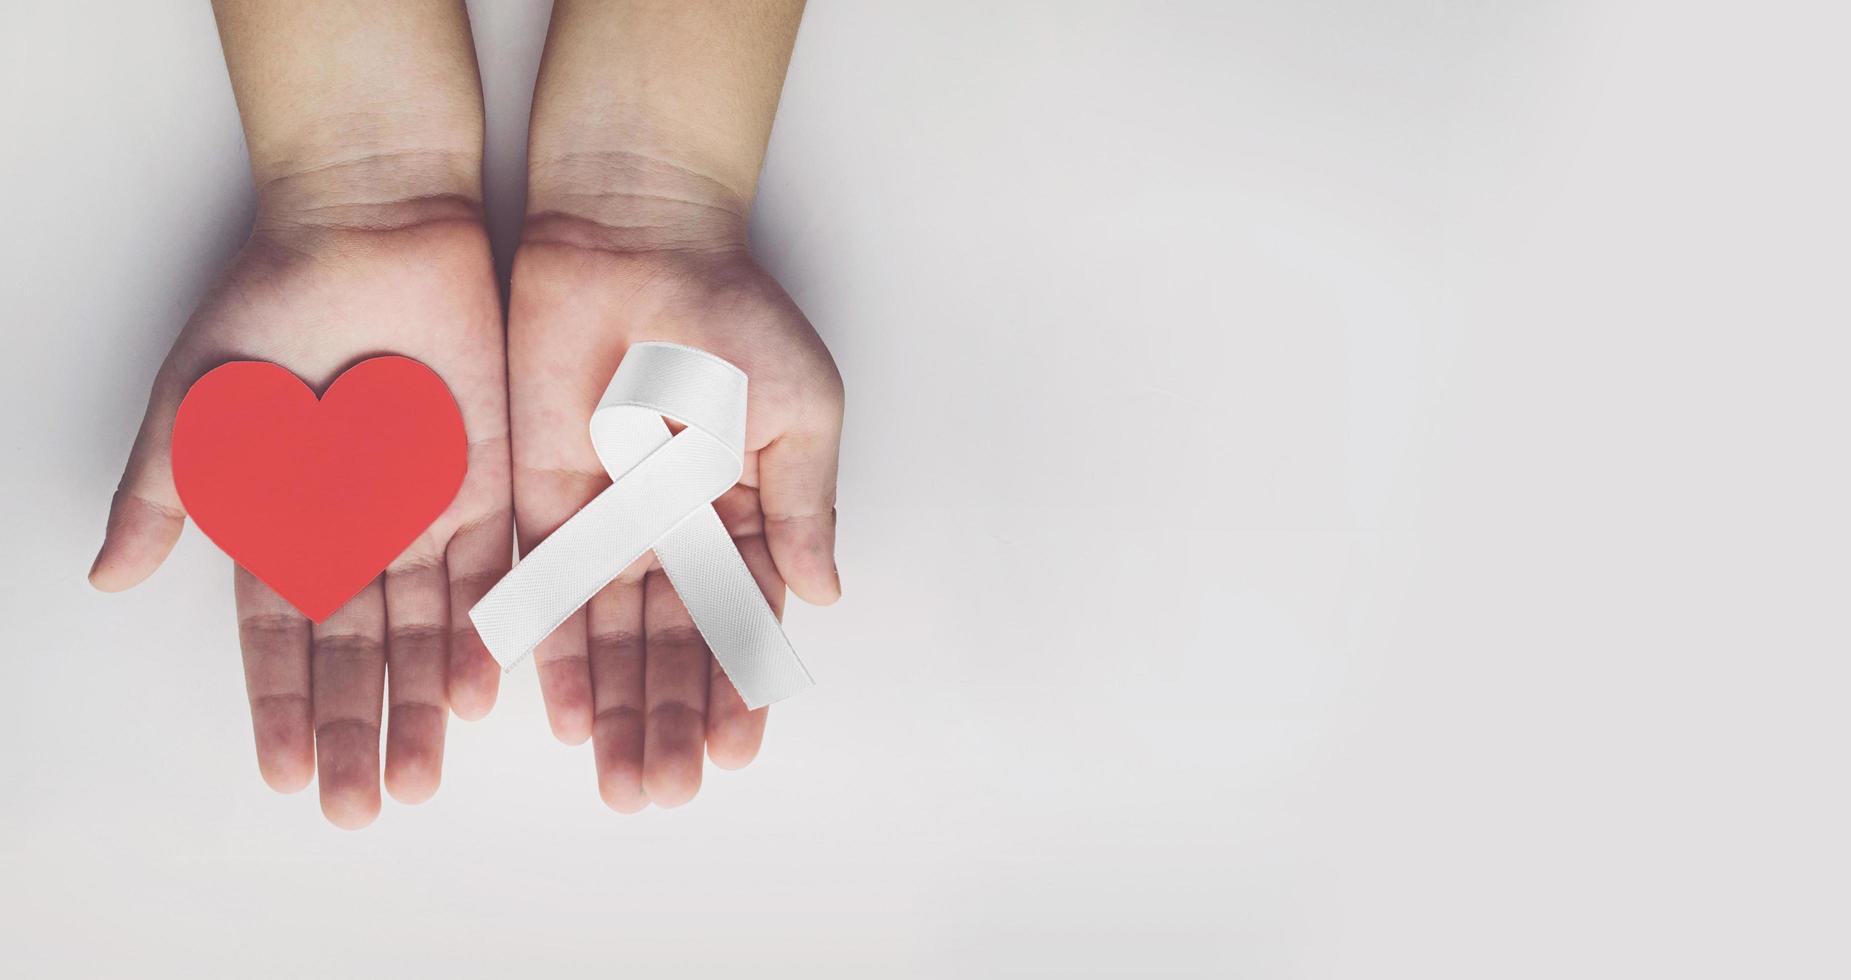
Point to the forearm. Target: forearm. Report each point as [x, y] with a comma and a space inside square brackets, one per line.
[650, 119]
[356, 113]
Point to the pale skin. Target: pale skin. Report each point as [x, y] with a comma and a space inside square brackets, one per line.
[365, 127]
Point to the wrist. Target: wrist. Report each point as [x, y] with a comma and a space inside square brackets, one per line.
[370, 185]
[632, 201]
[356, 115]
[395, 165]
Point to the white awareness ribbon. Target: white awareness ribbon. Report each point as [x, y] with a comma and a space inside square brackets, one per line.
[662, 495]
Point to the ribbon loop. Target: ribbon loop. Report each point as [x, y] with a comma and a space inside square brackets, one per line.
[662, 496]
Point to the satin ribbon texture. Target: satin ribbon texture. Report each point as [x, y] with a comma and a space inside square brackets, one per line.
[661, 497]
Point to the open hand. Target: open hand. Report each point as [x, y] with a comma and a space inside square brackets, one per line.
[629, 670]
[317, 298]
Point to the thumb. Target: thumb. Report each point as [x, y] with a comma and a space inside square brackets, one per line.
[797, 490]
[145, 517]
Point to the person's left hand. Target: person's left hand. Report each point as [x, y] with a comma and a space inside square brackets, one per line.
[317, 299]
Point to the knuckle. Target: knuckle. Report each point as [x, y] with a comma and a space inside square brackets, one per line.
[348, 646]
[675, 712]
[475, 583]
[362, 727]
[616, 641]
[269, 631]
[417, 635]
[678, 636]
[416, 561]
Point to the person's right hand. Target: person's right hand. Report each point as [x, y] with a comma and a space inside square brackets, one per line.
[316, 294]
[630, 671]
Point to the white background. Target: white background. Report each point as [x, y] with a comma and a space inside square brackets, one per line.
[1332, 489]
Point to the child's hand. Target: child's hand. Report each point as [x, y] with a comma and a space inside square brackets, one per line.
[648, 130]
[315, 298]
[630, 670]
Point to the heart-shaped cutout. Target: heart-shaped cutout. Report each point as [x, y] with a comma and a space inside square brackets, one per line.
[315, 497]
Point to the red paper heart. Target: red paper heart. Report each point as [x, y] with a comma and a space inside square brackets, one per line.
[316, 497]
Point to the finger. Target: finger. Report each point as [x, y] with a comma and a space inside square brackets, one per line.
[349, 665]
[734, 734]
[275, 640]
[797, 488]
[742, 514]
[551, 391]
[563, 663]
[417, 591]
[675, 695]
[145, 516]
[543, 501]
[615, 618]
[479, 556]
